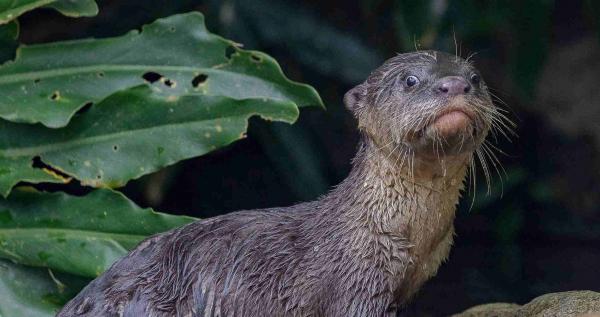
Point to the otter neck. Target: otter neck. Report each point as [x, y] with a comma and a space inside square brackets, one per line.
[387, 194]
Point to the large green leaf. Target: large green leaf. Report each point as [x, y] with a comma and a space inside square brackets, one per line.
[10, 10]
[78, 235]
[49, 83]
[129, 134]
[28, 291]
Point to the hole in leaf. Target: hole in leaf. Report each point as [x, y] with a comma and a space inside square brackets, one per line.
[199, 80]
[229, 51]
[169, 83]
[115, 148]
[172, 29]
[36, 81]
[99, 176]
[152, 77]
[85, 108]
[100, 74]
[55, 96]
[256, 58]
[36, 162]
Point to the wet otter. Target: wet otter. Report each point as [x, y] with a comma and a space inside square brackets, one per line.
[362, 250]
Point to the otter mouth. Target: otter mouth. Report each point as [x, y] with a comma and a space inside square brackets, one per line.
[452, 130]
[454, 126]
[452, 121]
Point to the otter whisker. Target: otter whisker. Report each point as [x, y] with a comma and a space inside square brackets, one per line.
[497, 98]
[415, 42]
[501, 112]
[468, 59]
[503, 128]
[499, 122]
[489, 149]
[509, 124]
[405, 157]
[393, 150]
[497, 166]
[486, 170]
[411, 163]
[400, 154]
[473, 180]
[437, 146]
[439, 141]
[462, 141]
[495, 148]
[455, 45]
[378, 149]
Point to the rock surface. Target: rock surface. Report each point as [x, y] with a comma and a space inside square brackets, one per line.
[566, 304]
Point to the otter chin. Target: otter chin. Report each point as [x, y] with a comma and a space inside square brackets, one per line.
[452, 123]
[453, 128]
[363, 249]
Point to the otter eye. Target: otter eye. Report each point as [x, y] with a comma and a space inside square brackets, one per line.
[475, 79]
[411, 80]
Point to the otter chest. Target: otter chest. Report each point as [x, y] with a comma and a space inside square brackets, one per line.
[424, 219]
[430, 229]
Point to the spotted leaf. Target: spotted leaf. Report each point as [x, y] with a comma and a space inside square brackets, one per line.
[130, 134]
[49, 83]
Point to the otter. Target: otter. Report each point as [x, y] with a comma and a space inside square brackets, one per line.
[363, 249]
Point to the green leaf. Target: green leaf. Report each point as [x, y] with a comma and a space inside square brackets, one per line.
[9, 34]
[77, 235]
[130, 134]
[75, 8]
[20, 169]
[10, 10]
[49, 83]
[27, 291]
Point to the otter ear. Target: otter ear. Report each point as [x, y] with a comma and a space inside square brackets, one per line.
[354, 97]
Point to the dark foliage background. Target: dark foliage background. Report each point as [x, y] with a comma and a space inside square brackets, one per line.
[539, 229]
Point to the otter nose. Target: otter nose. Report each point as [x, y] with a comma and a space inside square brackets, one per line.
[453, 85]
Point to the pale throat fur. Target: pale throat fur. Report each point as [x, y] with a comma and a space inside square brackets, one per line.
[402, 211]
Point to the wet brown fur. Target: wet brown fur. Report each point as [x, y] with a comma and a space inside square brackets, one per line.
[362, 250]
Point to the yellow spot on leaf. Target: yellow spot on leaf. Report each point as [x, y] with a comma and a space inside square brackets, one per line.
[55, 96]
[57, 176]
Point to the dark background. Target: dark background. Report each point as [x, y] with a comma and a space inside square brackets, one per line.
[537, 232]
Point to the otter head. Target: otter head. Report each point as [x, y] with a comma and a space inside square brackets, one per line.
[427, 104]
